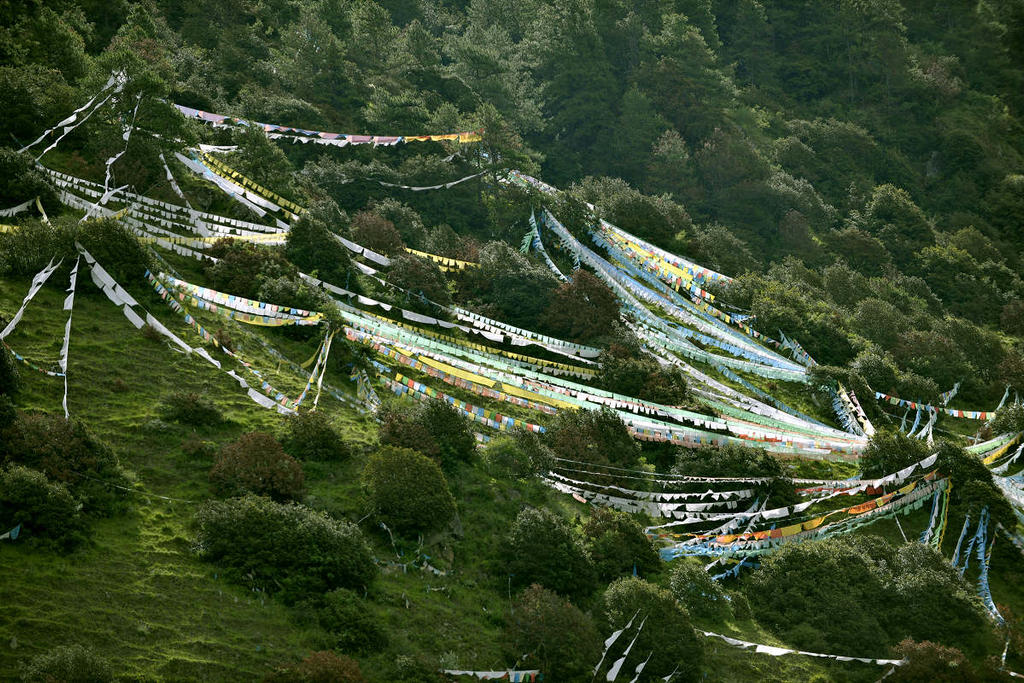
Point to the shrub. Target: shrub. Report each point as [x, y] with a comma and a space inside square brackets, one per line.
[9, 375]
[371, 230]
[595, 436]
[926, 661]
[66, 451]
[407, 491]
[1008, 419]
[891, 451]
[518, 456]
[8, 414]
[20, 181]
[197, 449]
[28, 249]
[243, 266]
[312, 244]
[256, 463]
[923, 596]
[346, 617]
[319, 667]
[555, 635]
[642, 377]
[973, 486]
[422, 279]
[67, 664]
[433, 428]
[667, 633]
[582, 310]
[116, 248]
[285, 549]
[618, 545]
[309, 435]
[190, 408]
[543, 549]
[43, 508]
[694, 589]
[733, 460]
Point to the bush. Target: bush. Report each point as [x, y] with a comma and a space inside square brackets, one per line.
[373, 231]
[9, 375]
[554, 635]
[190, 408]
[285, 549]
[1008, 419]
[66, 451]
[433, 428]
[891, 451]
[67, 664]
[346, 617]
[243, 266]
[582, 310]
[694, 589]
[44, 509]
[595, 436]
[256, 463]
[116, 248]
[8, 414]
[520, 455]
[973, 486]
[928, 661]
[422, 280]
[618, 545]
[20, 181]
[407, 491]
[543, 549]
[734, 460]
[28, 249]
[641, 376]
[309, 435]
[312, 244]
[667, 633]
[319, 667]
[923, 596]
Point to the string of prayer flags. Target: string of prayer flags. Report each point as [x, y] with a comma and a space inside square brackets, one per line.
[321, 137]
[774, 651]
[952, 412]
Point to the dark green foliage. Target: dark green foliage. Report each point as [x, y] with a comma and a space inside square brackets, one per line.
[44, 509]
[407, 491]
[694, 589]
[8, 413]
[27, 250]
[348, 619]
[891, 451]
[519, 456]
[733, 460]
[434, 428]
[67, 664]
[973, 487]
[1008, 419]
[22, 181]
[595, 436]
[561, 640]
[373, 231]
[544, 549]
[421, 279]
[243, 267]
[285, 549]
[618, 545]
[927, 661]
[190, 408]
[923, 596]
[115, 248]
[667, 632]
[309, 435]
[319, 667]
[626, 370]
[508, 286]
[657, 219]
[582, 310]
[67, 451]
[9, 374]
[256, 463]
[313, 247]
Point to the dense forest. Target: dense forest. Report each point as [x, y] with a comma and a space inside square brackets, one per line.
[849, 177]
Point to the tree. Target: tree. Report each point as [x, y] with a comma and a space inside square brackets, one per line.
[561, 640]
[599, 437]
[667, 633]
[582, 310]
[618, 545]
[543, 549]
[313, 246]
[373, 231]
[734, 460]
[407, 491]
[256, 463]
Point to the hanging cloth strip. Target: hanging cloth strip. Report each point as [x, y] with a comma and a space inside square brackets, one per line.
[780, 651]
[69, 304]
[334, 139]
